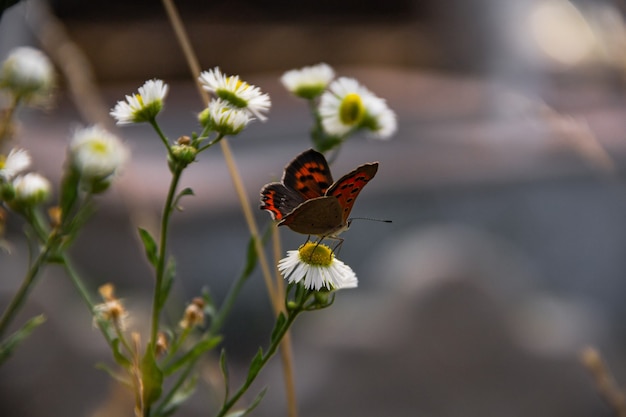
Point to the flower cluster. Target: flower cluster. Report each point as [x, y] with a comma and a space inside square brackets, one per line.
[21, 190]
[345, 106]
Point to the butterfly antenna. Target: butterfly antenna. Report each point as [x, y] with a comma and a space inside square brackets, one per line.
[367, 218]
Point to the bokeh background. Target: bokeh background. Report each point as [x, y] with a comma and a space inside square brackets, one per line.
[506, 255]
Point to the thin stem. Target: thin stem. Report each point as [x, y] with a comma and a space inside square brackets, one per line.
[179, 382]
[266, 357]
[20, 296]
[157, 128]
[213, 142]
[8, 115]
[160, 269]
[275, 298]
[84, 294]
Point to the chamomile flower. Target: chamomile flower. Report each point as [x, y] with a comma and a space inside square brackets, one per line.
[15, 162]
[142, 106]
[308, 82]
[224, 119]
[31, 189]
[28, 73]
[315, 265]
[348, 106]
[237, 93]
[97, 155]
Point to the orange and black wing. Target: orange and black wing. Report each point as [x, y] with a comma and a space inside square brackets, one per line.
[348, 187]
[308, 174]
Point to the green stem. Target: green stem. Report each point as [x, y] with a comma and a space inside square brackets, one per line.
[157, 128]
[266, 357]
[20, 296]
[213, 142]
[84, 294]
[179, 382]
[160, 269]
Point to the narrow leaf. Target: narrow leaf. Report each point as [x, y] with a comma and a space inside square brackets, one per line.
[280, 322]
[184, 192]
[119, 357]
[201, 347]
[151, 376]
[149, 245]
[252, 406]
[168, 280]
[224, 369]
[120, 378]
[181, 395]
[8, 346]
[256, 365]
[69, 192]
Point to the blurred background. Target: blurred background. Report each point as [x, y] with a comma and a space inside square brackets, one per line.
[506, 255]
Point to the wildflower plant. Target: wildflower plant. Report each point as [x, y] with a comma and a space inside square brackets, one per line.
[160, 367]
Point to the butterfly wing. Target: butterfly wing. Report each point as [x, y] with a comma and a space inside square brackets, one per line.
[279, 200]
[321, 216]
[308, 174]
[347, 188]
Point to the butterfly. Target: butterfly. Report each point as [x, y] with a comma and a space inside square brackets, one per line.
[309, 202]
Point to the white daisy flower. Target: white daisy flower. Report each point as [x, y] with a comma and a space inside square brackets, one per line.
[17, 161]
[222, 118]
[236, 92]
[31, 188]
[27, 72]
[315, 264]
[308, 82]
[379, 119]
[96, 154]
[143, 106]
[348, 106]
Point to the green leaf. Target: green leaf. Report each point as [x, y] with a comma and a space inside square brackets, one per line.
[201, 347]
[69, 192]
[150, 246]
[119, 357]
[256, 365]
[251, 259]
[280, 322]
[252, 406]
[181, 395]
[168, 280]
[8, 346]
[115, 375]
[224, 369]
[184, 192]
[151, 376]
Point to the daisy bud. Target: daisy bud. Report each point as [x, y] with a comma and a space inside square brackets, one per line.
[220, 117]
[97, 156]
[31, 189]
[161, 344]
[112, 310]
[27, 73]
[308, 82]
[194, 314]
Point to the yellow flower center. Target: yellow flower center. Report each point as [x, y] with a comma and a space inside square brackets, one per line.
[139, 99]
[351, 110]
[99, 147]
[316, 254]
[3, 161]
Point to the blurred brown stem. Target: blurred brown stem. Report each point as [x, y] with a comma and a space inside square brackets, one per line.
[275, 296]
[604, 381]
